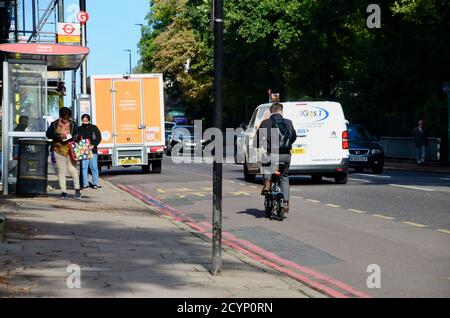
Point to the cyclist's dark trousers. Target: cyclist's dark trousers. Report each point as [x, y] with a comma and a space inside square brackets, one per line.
[285, 161]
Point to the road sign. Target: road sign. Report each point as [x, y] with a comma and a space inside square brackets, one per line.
[275, 97]
[83, 17]
[69, 33]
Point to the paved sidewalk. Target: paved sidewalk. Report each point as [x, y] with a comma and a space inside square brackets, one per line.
[123, 250]
[410, 165]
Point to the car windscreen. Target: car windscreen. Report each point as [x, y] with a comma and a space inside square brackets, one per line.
[183, 131]
[168, 126]
[358, 133]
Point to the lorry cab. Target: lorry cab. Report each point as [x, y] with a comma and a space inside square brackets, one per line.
[321, 148]
[129, 111]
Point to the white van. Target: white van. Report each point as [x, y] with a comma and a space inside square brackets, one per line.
[321, 148]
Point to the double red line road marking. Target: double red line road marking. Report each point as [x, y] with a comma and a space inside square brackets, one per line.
[317, 281]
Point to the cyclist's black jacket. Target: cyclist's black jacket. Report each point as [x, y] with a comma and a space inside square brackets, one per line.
[267, 132]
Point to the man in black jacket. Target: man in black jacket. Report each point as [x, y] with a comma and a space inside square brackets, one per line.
[91, 132]
[420, 138]
[287, 136]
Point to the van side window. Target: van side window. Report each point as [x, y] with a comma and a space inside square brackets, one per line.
[252, 121]
[263, 113]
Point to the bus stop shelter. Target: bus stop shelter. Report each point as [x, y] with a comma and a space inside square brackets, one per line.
[25, 92]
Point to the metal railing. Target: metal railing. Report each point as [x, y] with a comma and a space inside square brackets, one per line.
[404, 148]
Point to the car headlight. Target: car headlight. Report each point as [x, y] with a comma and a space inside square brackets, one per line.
[376, 151]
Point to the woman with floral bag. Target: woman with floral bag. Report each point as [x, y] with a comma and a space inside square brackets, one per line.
[63, 131]
[92, 133]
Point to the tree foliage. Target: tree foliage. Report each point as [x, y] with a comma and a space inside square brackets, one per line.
[309, 49]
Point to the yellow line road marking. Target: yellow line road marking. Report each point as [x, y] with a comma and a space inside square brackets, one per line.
[160, 190]
[444, 231]
[183, 189]
[207, 189]
[414, 224]
[314, 201]
[357, 211]
[383, 217]
[199, 194]
[333, 205]
[240, 193]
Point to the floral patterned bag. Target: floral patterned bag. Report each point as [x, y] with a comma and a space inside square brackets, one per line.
[81, 150]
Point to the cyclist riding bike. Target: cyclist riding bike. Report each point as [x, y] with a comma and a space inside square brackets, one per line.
[286, 137]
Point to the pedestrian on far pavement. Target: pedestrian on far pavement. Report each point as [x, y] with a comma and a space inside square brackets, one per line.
[62, 131]
[91, 132]
[420, 138]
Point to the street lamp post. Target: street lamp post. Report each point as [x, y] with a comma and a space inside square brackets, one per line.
[129, 51]
[217, 166]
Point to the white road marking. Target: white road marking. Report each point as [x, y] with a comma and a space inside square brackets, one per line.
[314, 201]
[444, 231]
[383, 216]
[232, 165]
[297, 197]
[410, 187]
[360, 180]
[373, 175]
[357, 211]
[333, 205]
[446, 179]
[414, 224]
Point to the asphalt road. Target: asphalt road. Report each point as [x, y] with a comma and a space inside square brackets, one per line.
[399, 221]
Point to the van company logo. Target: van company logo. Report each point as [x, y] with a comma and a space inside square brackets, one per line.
[314, 114]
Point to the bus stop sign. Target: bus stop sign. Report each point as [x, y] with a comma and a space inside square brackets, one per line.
[83, 17]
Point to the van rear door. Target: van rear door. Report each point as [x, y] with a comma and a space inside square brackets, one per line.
[128, 114]
[319, 127]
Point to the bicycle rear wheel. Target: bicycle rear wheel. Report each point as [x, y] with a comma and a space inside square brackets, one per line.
[267, 206]
[280, 209]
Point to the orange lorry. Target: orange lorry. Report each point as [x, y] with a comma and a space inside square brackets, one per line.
[129, 111]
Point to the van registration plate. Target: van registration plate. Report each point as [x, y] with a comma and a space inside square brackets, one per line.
[130, 161]
[298, 151]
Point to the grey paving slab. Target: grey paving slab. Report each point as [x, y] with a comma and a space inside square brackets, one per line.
[123, 250]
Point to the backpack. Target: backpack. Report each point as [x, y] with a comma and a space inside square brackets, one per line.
[284, 135]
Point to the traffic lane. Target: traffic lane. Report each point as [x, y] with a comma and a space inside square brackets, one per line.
[388, 195]
[421, 180]
[333, 241]
[404, 204]
[338, 244]
[339, 247]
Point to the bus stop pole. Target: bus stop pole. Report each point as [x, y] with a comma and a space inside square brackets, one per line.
[217, 166]
[83, 43]
[5, 122]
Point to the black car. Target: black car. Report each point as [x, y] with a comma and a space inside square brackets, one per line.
[168, 131]
[185, 137]
[365, 152]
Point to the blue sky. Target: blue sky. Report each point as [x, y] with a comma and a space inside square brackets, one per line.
[111, 30]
